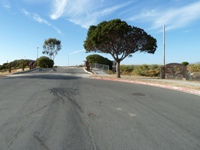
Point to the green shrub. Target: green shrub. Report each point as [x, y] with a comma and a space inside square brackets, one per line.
[185, 63]
[80, 65]
[142, 70]
[100, 60]
[126, 69]
[147, 70]
[45, 62]
[193, 68]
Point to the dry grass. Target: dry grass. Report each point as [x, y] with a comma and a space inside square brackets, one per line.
[4, 73]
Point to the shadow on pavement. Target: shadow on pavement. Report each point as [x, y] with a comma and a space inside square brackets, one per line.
[37, 70]
[48, 77]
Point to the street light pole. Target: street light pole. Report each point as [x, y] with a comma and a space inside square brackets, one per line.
[37, 52]
[68, 60]
[164, 68]
[164, 44]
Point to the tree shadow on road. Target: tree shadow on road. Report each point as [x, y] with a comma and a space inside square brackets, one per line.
[45, 76]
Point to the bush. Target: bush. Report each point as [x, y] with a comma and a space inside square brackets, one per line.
[141, 70]
[3, 67]
[99, 59]
[126, 69]
[194, 68]
[185, 63]
[45, 62]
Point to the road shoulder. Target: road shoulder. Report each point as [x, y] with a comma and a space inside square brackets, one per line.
[192, 87]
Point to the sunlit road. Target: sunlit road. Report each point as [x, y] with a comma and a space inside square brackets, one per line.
[63, 109]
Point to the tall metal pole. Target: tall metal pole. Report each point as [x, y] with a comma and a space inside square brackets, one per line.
[68, 60]
[164, 44]
[164, 68]
[37, 52]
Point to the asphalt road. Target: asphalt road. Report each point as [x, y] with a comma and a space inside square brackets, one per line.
[63, 109]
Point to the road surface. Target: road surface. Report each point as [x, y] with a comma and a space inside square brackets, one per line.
[61, 109]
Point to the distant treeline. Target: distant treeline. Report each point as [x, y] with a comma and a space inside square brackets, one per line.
[16, 64]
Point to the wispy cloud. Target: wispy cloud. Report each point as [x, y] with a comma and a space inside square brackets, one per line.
[172, 17]
[35, 1]
[6, 4]
[59, 6]
[26, 13]
[58, 30]
[77, 51]
[84, 12]
[38, 19]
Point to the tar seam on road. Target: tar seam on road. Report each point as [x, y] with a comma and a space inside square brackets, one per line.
[36, 136]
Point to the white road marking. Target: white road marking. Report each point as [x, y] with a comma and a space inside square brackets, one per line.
[118, 108]
[132, 115]
[36, 115]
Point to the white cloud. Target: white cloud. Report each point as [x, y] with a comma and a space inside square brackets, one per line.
[84, 12]
[59, 6]
[25, 12]
[38, 19]
[59, 32]
[6, 4]
[36, 1]
[77, 51]
[173, 18]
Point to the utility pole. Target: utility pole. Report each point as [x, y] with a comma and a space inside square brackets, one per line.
[37, 52]
[68, 60]
[164, 44]
[164, 69]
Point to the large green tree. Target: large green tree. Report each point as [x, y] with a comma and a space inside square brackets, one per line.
[51, 47]
[118, 39]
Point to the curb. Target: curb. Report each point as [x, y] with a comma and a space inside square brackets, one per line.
[185, 90]
[87, 71]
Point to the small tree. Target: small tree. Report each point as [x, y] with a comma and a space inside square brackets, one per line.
[45, 62]
[185, 63]
[51, 47]
[118, 39]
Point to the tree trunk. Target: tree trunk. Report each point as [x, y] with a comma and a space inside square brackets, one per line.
[118, 69]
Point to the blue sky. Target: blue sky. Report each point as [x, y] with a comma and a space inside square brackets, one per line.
[25, 24]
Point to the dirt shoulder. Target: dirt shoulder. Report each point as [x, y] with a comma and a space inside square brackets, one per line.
[180, 85]
[5, 73]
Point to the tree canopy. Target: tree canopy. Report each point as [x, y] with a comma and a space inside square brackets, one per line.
[118, 39]
[185, 63]
[15, 64]
[45, 62]
[51, 47]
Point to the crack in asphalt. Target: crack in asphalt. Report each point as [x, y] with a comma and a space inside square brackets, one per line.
[69, 93]
[15, 135]
[36, 136]
[54, 101]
